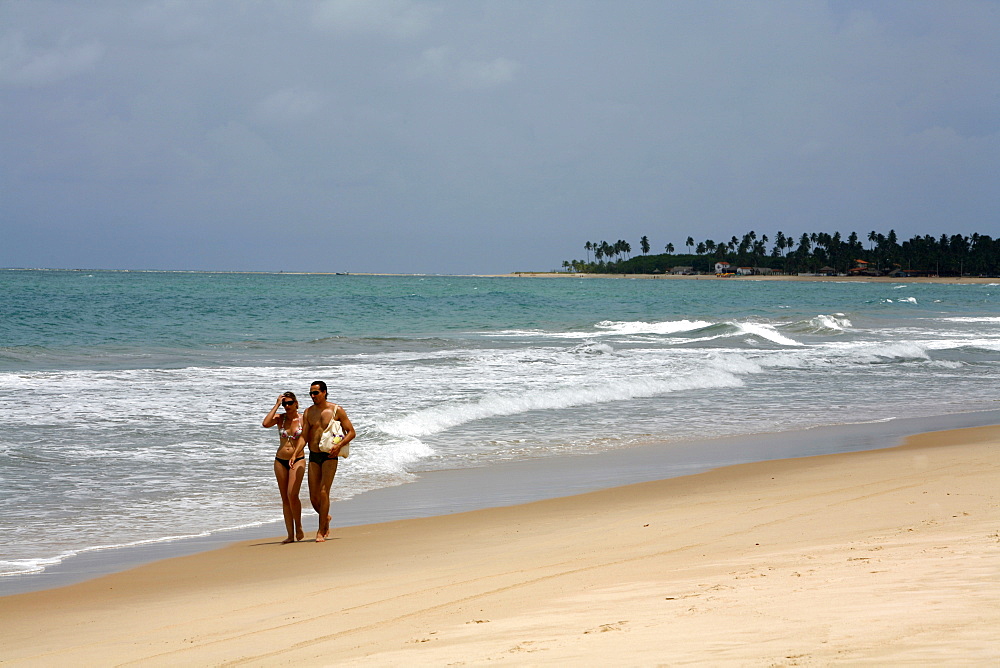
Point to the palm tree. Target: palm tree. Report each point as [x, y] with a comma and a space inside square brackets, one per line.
[950, 254]
[892, 242]
[689, 243]
[804, 244]
[746, 243]
[836, 250]
[589, 246]
[644, 244]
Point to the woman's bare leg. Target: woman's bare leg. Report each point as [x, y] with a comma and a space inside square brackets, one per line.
[294, 503]
[281, 474]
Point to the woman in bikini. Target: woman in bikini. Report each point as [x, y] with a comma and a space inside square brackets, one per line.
[289, 461]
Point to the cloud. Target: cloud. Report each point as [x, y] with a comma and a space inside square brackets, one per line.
[513, 130]
[392, 18]
[440, 63]
[20, 65]
[289, 105]
[487, 73]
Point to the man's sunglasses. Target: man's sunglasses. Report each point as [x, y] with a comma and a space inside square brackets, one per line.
[313, 393]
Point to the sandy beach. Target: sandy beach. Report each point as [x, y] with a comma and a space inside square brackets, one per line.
[886, 557]
[950, 280]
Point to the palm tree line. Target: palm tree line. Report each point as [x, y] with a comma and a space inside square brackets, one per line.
[947, 255]
[617, 249]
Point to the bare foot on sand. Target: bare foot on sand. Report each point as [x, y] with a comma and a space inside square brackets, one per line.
[288, 540]
[300, 534]
[321, 535]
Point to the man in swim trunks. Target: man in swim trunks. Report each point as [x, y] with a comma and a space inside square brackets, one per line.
[323, 465]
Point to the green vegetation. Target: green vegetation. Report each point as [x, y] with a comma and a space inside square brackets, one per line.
[955, 255]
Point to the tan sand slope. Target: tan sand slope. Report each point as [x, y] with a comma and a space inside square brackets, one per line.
[883, 558]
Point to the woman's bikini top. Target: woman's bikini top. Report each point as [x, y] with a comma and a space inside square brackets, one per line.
[294, 435]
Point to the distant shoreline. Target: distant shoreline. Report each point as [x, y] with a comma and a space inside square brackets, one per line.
[708, 277]
[954, 280]
[980, 280]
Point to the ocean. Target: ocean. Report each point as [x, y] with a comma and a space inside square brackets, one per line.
[131, 402]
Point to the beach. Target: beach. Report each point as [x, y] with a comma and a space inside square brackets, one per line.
[883, 557]
[484, 514]
[811, 278]
[438, 374]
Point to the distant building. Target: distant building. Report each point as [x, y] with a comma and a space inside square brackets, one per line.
[682, 271]
[723, 267]
[827, 271]
[862, 268]
[744, 271]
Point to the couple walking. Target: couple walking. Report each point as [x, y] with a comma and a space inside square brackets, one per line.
[296, 431]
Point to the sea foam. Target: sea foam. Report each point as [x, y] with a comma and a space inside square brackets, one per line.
[435, 373]
[443, 417]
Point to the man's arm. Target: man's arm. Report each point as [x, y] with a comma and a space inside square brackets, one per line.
[307, 425]
[345, 422]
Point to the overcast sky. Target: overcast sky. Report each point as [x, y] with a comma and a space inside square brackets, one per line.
[479, 137]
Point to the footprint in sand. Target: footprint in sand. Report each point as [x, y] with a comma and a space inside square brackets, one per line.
[604, 628]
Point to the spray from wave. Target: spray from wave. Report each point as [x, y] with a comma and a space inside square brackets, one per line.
[440, 418]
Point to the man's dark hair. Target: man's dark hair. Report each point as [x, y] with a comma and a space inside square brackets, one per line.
[322, 385]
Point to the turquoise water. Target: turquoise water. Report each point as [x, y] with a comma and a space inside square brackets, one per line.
[131, 401]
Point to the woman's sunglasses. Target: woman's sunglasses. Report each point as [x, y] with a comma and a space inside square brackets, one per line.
[287, 403]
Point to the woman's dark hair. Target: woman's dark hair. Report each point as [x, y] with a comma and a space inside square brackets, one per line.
[290, 395]
[321, 384]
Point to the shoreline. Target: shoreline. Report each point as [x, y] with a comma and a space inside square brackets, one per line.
[948, 280]
[878, 556]
[442, 492]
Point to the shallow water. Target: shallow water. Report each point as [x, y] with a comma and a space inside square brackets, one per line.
[131, 401]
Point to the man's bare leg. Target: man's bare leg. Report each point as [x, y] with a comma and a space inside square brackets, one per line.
[328, 472]
[315, 482]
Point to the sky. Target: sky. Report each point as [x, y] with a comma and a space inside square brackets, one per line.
[477, 137]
